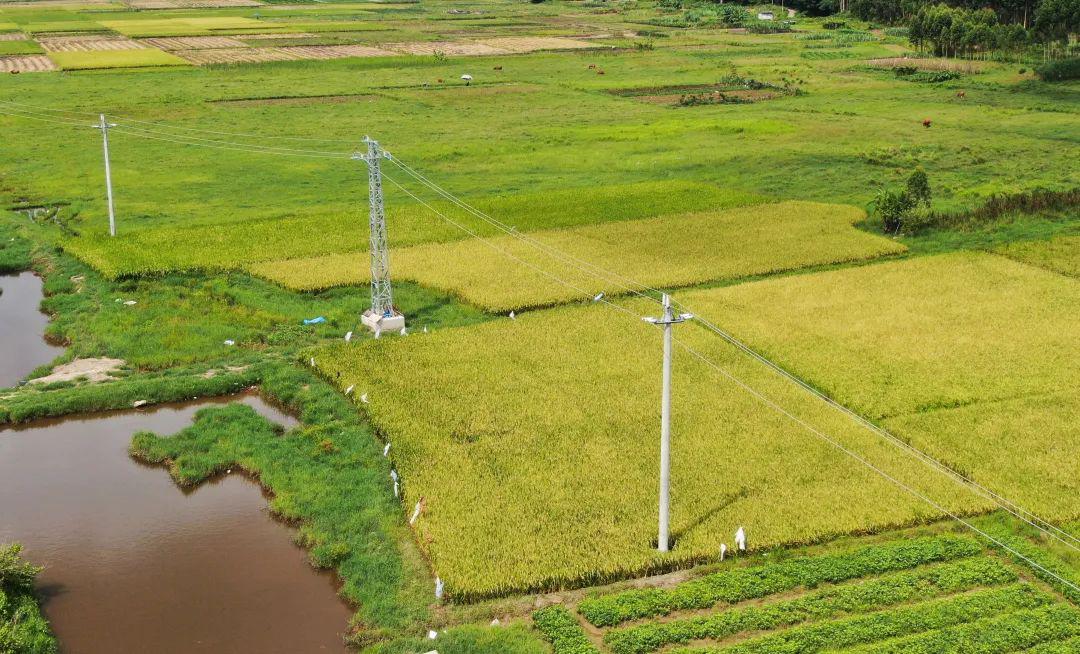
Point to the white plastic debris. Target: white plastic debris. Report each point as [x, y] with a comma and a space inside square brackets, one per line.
[425, 329]
[312, 362]
[363, 398]
[397, 492]
[512, 316]
[740, 539]
[386, 450]
[432, 634]
[139, 403]
[394, 475]
[598, 297]
[415, 513]
[348, 336]
[229, 471]
[130, 303]
[495, 622]
[404, 332]
[350, 389]
[438, 588]
[229, 341]
[723, 550]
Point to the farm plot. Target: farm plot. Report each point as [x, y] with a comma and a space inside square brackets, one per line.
[190, 4]
[967, 355]
[334, 51]
[537, 437]
[88, 43]
[931, 594]
[14, 36]
[195, 42]
[223, 247]
[139, 58]
[451, 48]
[26, 64]
[193, 26]
[523, 44]
[1061, 254]
[243, 55]
[504, 273]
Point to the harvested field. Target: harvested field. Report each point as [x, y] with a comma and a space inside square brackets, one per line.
[956, 65]
[14, 36]
[194, 42]
[452, 48]
[190, 4]
[88, 43]
[235, 55]
[27, 64]
[274, 36]
[333, 51]
[520, 44]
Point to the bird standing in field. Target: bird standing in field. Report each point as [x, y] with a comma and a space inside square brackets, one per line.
[740, 539]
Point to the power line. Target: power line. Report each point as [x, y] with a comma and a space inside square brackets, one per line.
[780, 409]
[1009, 506]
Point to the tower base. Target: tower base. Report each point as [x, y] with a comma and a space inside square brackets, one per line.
[375, 322]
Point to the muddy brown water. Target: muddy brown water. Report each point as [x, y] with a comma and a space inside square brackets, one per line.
[135, 564]
[22, 328]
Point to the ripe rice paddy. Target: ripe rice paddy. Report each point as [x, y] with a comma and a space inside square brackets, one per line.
[504, 273]
[1060, 254]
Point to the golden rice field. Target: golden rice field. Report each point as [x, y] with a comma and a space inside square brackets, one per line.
[1060, 254]
[533, 445]
[962, 354]
[507, 273]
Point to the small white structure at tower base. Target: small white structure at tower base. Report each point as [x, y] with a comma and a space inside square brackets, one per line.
[383, 323]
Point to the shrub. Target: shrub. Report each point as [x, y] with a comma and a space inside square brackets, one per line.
[834, 24]
[1059, 71]
[16, 575]
[892, 206]
[562, 630]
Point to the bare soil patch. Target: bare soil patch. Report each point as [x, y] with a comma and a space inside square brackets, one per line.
[13, 36]
[452, 48]
[94, 370]
[195, 42]
[520, 44]
[88, 43]
[27, 64]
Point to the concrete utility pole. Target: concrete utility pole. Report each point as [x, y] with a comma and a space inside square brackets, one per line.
[382, 315]
[667, 320]
[104, 127]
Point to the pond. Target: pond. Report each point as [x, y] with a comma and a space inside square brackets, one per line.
[22, 328]
[136, 564]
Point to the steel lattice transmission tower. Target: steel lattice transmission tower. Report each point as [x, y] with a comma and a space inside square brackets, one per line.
[382, 315]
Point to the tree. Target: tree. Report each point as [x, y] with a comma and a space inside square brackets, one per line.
[1056, 20]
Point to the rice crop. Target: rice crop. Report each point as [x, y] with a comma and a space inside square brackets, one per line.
[538, 438]
[1060, 254]
[227, 246]
[504, 273]
[115, 59]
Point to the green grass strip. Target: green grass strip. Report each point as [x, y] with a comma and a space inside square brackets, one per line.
[761, 581]
[1007, 633]
[829, 603]
[562, 630]
[894, 623]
